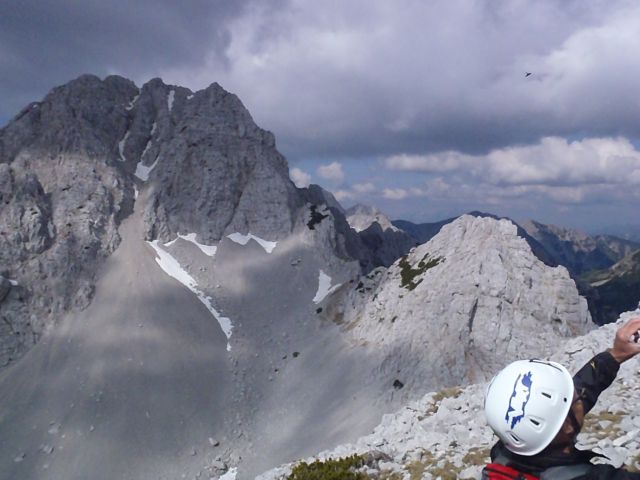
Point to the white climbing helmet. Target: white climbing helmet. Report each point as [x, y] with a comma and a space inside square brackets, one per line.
[526, 404]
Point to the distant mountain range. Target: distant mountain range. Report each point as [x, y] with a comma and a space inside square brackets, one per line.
[627, 232]
[613, 290]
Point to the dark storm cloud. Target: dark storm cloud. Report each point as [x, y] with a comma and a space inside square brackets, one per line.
[364, 78]
[360, 78]
[48, 42]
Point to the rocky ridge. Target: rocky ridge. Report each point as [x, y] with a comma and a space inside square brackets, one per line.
[456, 308]
[443, 435]
[576, 250]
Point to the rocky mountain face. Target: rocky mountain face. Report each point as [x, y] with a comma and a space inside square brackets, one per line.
[576, 250]
[456, 308]
[444, 434]
[72, 164]
[62, 200]
[385, 242]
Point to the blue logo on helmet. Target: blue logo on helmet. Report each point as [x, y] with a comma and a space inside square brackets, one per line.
[519, 399]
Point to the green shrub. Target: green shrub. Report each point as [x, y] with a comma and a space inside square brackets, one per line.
[408, 274]
[316, 217]
[339, 469]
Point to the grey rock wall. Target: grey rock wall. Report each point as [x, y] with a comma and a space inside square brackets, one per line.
[456, 308]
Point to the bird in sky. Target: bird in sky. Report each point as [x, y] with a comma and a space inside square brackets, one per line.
[526, 74]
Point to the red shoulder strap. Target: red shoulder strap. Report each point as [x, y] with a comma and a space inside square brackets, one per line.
[496, 471]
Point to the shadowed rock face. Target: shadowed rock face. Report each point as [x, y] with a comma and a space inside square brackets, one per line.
[62, 200]
[70, 168]
[215, 171]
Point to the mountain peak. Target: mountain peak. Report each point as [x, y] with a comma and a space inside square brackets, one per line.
[360, 217]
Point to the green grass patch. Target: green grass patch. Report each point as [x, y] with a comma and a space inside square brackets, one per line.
[409, 274]
[331, 469]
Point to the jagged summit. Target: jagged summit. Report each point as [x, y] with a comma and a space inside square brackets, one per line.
[71, 167]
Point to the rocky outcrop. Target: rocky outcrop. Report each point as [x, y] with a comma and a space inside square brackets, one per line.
[424, 232]
[456, 308]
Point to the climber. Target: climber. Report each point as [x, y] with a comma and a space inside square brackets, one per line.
[537, 410]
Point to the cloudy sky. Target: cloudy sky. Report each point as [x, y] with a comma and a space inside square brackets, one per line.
[422, 108]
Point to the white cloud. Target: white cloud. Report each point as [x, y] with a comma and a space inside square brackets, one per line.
[301, 178]
[402, 193]
[343, 195]
[363, 188]
[395, 193]
[355, 191]
[332, 171]
[552, 161]
[442, 162]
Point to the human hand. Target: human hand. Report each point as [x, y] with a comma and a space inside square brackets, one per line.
[624, 345]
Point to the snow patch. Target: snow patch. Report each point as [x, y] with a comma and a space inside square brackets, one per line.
[132, 102]
[146, 147]
[135, 192]
[189, 97]
[172, 268]
[230, 475]
[142, 171]
[121, 146]
[244, 239]
[324, 287]
[13, 283]
[170, 99]
[209, 250]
